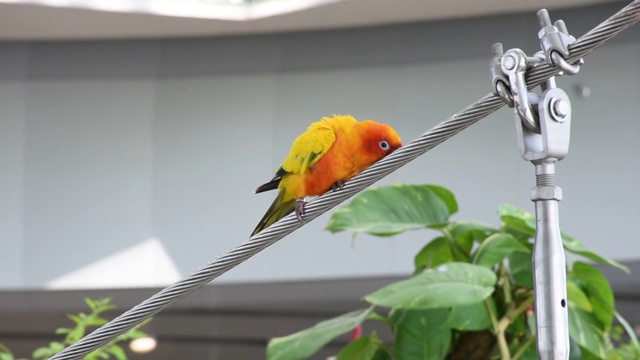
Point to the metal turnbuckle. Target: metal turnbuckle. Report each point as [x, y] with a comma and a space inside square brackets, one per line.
[543, 125]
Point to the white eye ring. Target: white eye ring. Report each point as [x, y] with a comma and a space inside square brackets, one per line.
[384, 145]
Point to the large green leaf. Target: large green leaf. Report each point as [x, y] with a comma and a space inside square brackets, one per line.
[575, 352]
[394, 209]
[597, 288]
[577, 297]
[517, 222]
[471, 317]
[365, 348]
[576, 247]
[421, 334]
[436, 252]
[446, 196]
[521, 269]
[306, 342]
[585, 329]
[452, 284]
[496, 247]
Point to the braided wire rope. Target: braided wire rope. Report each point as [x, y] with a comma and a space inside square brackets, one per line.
[486, 105]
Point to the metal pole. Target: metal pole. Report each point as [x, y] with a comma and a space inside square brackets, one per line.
[549, 267]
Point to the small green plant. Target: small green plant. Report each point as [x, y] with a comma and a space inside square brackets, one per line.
[471, 295]
[83, 323]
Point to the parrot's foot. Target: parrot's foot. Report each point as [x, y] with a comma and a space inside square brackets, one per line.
[338, 185]
[300, 203]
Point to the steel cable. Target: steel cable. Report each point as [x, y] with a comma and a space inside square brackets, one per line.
[441, 132]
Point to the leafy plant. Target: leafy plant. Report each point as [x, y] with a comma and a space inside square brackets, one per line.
[83, 322]
[471, 295]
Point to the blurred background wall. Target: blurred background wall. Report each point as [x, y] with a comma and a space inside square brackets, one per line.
[131, 163]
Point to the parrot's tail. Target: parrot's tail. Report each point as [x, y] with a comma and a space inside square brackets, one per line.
[283, 205]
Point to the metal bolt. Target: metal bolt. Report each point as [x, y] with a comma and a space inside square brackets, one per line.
[509, 62]
[497, 50]
[561, 26]
[543, 18]
[560, 108]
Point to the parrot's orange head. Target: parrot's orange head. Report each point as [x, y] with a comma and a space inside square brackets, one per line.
[378, 140]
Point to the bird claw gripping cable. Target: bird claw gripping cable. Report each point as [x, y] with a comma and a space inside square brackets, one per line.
[543, 124]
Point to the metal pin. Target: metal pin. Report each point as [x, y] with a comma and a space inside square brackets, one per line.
[543, 18]
[497, 50]
[561, 26]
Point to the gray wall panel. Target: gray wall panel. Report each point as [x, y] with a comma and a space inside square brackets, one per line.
[107, 144]
[88, 175]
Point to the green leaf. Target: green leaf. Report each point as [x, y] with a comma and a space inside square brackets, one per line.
[135, 333]
[391, 210]
[435, 253]
[117, 352]
[576, 247]
[56, 346]
[47, 352]
[517, 222]
[42, 353]
[96, 321]
[306, 342]
[578, 297]
[470, 317]
[587, 355]
[100, 306]
[495, 248]
[365, 348]
[382, 355]
[446, 196]
[78, 319]
[521, 269]
[5, 353]
[585, 330]
[91, 303]
[62, 330]
[597, 288]
[575, 352]
[466, 233]
[452, 284]
[421, 334]
[75, 334]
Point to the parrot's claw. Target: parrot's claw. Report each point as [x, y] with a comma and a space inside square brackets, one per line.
[338, 185]
[300, 203]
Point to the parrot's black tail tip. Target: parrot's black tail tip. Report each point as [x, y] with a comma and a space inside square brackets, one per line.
[271, 185]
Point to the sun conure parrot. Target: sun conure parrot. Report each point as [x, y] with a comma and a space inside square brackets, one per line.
[330, 152]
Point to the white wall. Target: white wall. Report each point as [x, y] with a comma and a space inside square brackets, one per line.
[106, 145]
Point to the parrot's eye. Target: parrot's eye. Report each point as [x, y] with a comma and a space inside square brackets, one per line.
[384, 145]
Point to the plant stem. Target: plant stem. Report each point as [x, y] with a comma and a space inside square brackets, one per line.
[521, 308]
[500, 327]
[523, 348]
[494, 320]
[506, 283]
[502, 341]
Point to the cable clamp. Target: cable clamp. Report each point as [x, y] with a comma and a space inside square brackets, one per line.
[555, 41]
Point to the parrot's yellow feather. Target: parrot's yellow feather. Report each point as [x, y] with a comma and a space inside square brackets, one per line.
[309, 147]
